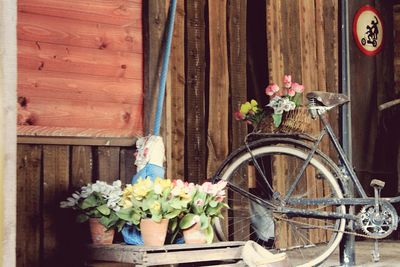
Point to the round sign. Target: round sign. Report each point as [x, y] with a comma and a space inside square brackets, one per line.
[368, 30]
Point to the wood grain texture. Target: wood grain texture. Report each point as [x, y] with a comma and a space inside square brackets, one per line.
[60, 85]
[120, 12]
[127, 164]
[175, 99]
[56, 173]
[237, 11]
[85, 114]
[217, 136]
[37, 55]
[29, 217]
[154, 24]
[40, 28]
[81, 166]
[195, 90]
[107, 164]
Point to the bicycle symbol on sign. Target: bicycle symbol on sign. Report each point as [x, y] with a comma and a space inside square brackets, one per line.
[371, 35]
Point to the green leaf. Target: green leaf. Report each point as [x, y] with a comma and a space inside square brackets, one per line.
[105, 221]
[187, 221]
[204, 221]
[213, 203]
[277, 119]
[209, 233]
[173, 224]
[172, 214]
[103, 209]
[125, 214]
[89, 202]
[156, 217]
[81, 218]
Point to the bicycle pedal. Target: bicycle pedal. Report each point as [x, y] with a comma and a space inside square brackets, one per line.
[377, 183]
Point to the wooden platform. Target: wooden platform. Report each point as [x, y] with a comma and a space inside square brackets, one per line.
[226, 253]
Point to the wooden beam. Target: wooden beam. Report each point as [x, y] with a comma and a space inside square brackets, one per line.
[217, 137]
[175, 99]
[195, 55]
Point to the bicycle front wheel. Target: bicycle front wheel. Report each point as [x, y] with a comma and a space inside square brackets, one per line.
[262, 177]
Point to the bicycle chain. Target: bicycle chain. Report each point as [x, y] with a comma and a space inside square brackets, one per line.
[324, 228]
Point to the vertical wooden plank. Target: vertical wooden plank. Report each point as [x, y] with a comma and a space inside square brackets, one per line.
[108, 164]
[217, 137]
[56, 160]
[237, 11]
[81, 166]
[195, 56]
[29, 217]
[127, 164]
[175, 99]
[154, 25]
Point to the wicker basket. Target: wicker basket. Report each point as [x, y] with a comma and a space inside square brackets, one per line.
[294, 121]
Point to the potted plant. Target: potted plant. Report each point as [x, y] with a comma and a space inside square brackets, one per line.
[206, 206]
[152, 206]
[98, 204]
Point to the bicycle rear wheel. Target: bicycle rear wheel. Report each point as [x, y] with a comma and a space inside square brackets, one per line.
[307, 241]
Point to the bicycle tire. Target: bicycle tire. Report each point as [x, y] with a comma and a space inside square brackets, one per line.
[234, 217]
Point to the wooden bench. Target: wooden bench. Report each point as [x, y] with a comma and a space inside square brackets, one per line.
[225, 253]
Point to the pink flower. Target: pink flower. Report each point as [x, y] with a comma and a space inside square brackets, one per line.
[291, 92]
[271, 89]
[298, 88]
[220, 198]
[239, 116]
[199, 202]
[287, 80]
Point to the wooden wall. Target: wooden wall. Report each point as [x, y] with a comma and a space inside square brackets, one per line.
[373, 83]
[80, 65]
[47, 174]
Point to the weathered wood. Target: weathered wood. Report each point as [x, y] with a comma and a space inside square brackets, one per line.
[175, 99]
[29, 220]
[154, 24]
[50, 84]
[237, 11]
[56, 173]
[39, 28]
[168, 254]
[120, 12]
[37, 55]
[107, 165]
[195, 56]
[217, 136]
[127, 164]
[85, 114]
[81, 166]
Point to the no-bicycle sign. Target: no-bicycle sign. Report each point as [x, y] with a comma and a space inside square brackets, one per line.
[368, 30]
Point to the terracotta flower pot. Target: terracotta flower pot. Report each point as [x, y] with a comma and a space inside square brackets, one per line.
[100, 234]
[194, 235]
[153, 233]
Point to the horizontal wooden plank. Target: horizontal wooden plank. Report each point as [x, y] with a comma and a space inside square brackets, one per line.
[117, 12]
[72, 59]
[85, 114]
[50, 84]
[40, 28]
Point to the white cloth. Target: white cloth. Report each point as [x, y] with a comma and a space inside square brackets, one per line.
[150, 149]
[254, 255]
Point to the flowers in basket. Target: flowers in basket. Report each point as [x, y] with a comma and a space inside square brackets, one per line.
[99, 200]
[281, 100]
[206, 206]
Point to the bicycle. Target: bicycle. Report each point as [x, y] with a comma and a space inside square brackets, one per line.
[287, 195]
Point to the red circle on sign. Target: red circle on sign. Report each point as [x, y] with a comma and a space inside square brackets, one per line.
[356, 35]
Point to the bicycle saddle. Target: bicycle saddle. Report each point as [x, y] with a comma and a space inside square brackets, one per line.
[327, 99]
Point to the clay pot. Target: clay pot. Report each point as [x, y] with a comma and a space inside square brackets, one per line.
[194, 235]
[100, 234]
[153, 233]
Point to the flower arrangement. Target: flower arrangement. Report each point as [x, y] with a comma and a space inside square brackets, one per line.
[281, 100]
[205, 207]
[99, 200]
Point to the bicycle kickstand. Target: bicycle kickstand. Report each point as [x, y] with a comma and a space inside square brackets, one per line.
[377, 185]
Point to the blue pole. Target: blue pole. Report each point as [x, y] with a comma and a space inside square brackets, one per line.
[164, 69]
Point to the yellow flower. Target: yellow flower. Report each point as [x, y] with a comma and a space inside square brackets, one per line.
[249, 106]
[156, 206]
[141, 188]
[127, 203]
[127, 191]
